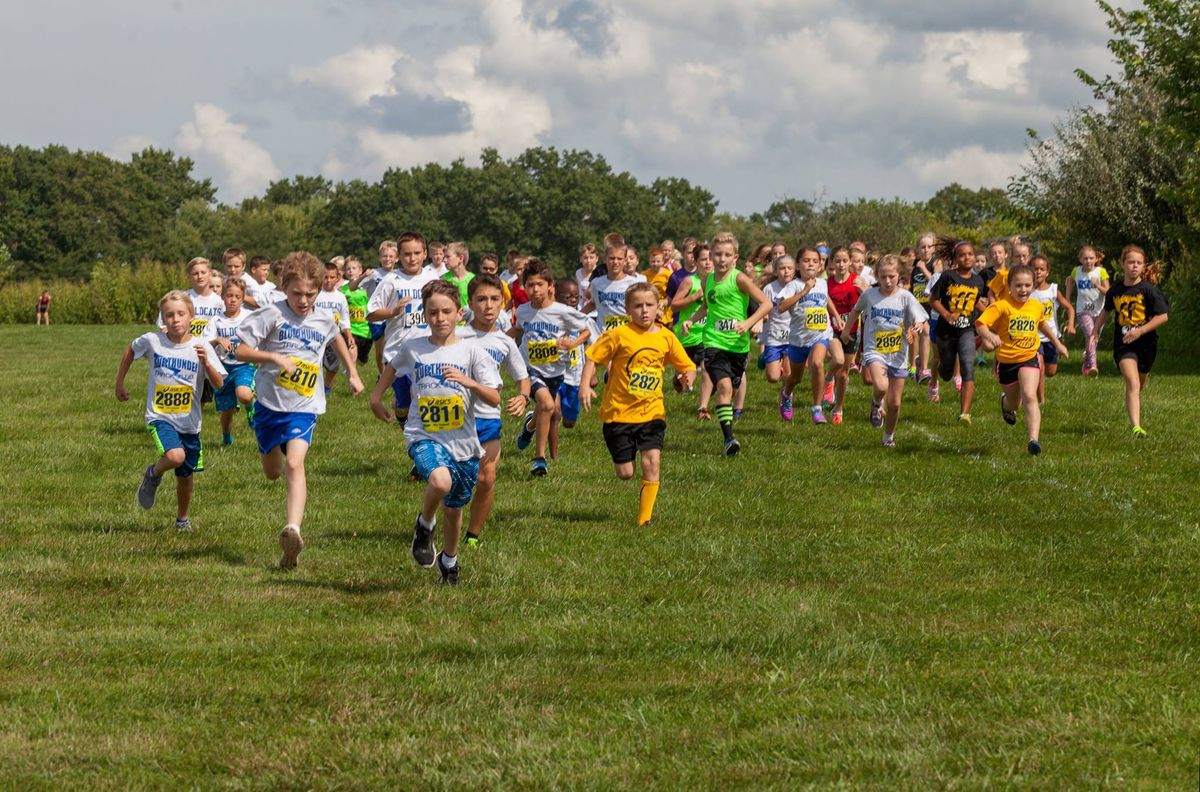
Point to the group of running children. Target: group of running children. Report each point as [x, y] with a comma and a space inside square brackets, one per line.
[442, 335]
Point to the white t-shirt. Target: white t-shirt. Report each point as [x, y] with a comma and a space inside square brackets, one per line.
[884, 321]
[207, 308]
[445, 411]
[609, 297]
[575, 357]
[779, 325]
[503, 351]
[583, 279]
[541, 329]
[1049, 299]
[335, 303]
[277, 328]
[260, 292]
[176, 380]
[371, 280]
[810, 316]
[1088, 297]
[397, 286]
[437, 272]
[503, 319]
[227, 327]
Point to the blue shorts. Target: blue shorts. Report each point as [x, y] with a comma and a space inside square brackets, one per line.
[568, 398]
[799, 354]
[428, 456]
[277, 428]
[167, 437]
[487, 429]
[1049, 353]
[774, 353]
[402, 392]
[934, 318]
[239, 376]
[377, 329]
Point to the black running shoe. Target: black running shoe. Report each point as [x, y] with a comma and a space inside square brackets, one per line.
[1035, 447]
[732, 446]
[449, 576]
[423, 551]
[1009, 416]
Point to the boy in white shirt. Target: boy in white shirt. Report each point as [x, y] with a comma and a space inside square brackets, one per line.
[333, 300]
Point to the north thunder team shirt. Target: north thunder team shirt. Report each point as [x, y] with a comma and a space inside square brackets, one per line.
[176, 380]
[277, 328]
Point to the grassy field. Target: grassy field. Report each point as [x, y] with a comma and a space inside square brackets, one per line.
[816, 611]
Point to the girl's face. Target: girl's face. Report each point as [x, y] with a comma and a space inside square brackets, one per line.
[924, 249]
[631, 261]
[839, 265]
[999, 254]
[232, 297]
[1134, 265]
[888, 279]
[964, 258]
[980, 261]
[810, 265]
[704, 264]
[785, 271]
[301, 293]
[589, 259]
[1087, 259]
[1041, 271]
[1021, 286]
[777, 251]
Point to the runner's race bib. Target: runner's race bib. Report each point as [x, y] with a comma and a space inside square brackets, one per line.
[358, 313]
[441, 413]
[645, 382]
[543, 353]
[197, 327]
[172, 399]
[615, 320]
[888, 342]
[816, 319]
[302, 381]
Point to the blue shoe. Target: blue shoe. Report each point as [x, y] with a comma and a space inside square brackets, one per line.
[539, 468]
[526, 435]
[227, 439]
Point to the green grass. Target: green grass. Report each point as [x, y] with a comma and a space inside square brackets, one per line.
[814, 612]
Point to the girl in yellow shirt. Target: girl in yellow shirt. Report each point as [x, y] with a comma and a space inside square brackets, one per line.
[1010, 327]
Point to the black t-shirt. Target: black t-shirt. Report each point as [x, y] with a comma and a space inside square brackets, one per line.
[920, 285]
[1133, 306]
[987, 273]
[959, 295]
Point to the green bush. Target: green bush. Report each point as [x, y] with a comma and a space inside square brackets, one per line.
[116, 294]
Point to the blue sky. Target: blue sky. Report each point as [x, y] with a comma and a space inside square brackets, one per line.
[754, 100]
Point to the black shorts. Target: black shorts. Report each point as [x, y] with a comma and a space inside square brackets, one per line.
[206, 395]
[1007, 372]
[1049, 353]
[551, 384]
[363, 345]
[1145, 355]
[722, 364]
[625, 440]
[696, 353]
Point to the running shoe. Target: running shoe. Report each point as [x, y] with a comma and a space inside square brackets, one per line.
[449, 575]
[413, 474]
[1035, 448]
[525, 436]
[227, 439]
[818, 416]
[933, 393]
[1009, 416]
[539, 467]
[912, 372]
[148, 488]
[964, 418]
[250, 414]
[737, 413]
[732, 446]
[1139, 432]
[876, 415]
[855, 368]
[957, 383]
[184, 525]
[762, 361]
[1092, 372]
[785, 406]
[291, 544]
[836, 417]
[923, 376]
[472, 541]
[423, 551]
[889, 442]
[828, 400]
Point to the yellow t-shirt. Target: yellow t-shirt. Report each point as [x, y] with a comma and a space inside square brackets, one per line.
[1017, 328]
[635, 360]
[999, 284]
[659, 282]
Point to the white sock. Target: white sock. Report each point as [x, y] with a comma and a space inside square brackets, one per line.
[429, 526]
[449, 561]
[816, 408]
[887, 438]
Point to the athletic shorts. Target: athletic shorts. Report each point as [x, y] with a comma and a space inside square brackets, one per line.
[330, 360]
[429, 455]
[42, 308]
[696, 353]
[1007, 372]
[1145, 354]
[723, 364]
[798, 355]
[625, 440]
[277, 428]
[893, 372]
[377, 329]
[402, 393]
[568, 399]
[552, 384]
[236, 376]
[1049, 353]
[773, 354]
[934, 319]
[363, 345]
[167, 437]
[487, 429]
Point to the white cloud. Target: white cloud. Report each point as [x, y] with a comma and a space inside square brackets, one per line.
[126, 146]
[988, 59]
[213, 138]
[970, 166]
[359, 74]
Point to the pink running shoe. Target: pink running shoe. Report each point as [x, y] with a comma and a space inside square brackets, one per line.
[958, 383]
[785, 406]
[818, 416]
[837, 417]
[828, 400]
[933, 393]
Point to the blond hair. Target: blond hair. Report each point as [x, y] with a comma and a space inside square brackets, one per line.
[388, 244]
[458, 249]
[180, 296]
[724, 238]
[300, 265]
[196, 262]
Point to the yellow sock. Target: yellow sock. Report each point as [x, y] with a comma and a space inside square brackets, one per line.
[646, 500]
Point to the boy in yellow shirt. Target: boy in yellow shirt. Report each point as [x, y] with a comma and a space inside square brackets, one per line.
[632, 409]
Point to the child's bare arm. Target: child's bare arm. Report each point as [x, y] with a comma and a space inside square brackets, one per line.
[122, 370]
[386, 378]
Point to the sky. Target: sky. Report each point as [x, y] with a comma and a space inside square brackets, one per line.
[754, 100]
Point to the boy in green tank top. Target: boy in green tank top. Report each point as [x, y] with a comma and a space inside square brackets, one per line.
[357, 299]
[727, 294]
[688, 295]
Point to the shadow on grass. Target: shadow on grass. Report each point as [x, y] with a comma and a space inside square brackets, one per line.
[217, 552]
[357, 588]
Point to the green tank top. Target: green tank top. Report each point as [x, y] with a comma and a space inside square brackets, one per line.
[357, 300]
[726, 307]
[695, 335]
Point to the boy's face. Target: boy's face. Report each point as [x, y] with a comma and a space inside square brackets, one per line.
[614, 261]
[177, 318]
[353, 269]
[723, 256]
[330, 281]
[642, 309]
[259, 273]
[301, 293]
[441, 314]
[453, 260]
[387, 258]
[567, 294]
[656, 262]
[199, 277]
[439, 255]
[215, 281]
[589, 259]
[486, 303]
[538, 290]
[489, 267]
[412, 256]
[999, 254]
[777, 251]
[980, 261]
[964, 258]
[235, 266]
[704, 262]
[232, 297]
[1133, 264]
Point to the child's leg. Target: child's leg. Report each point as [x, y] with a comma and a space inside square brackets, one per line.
[543, 415]
[1133, 389]
[878, 380]
[297, 483]
[895, 394]
[437, 487]
[739, 396]
[552, 435]
[651, 462]
[1028, 380]
[451, 529]
[816, 368]
[966, 365]
[227, 421]
[706, 388]
[171, 459]
[183, 495]
[840, 372]
[379, 355]
[485, 488]
[330, 378]
[1087, 323]
[774, 370]
[723, 395]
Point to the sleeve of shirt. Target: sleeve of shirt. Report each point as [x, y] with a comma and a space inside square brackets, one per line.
[513, 361]
[1109, 304]
[916, 313]
[256, 328]
[141, 345]
[483, 369]
[997, 283]
[602, 351]
[937, 291]
[344, 313]
[676, 356]
[382, 296]
[1158, 302]
[991, 316]
[215, 362]
[399, 358]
